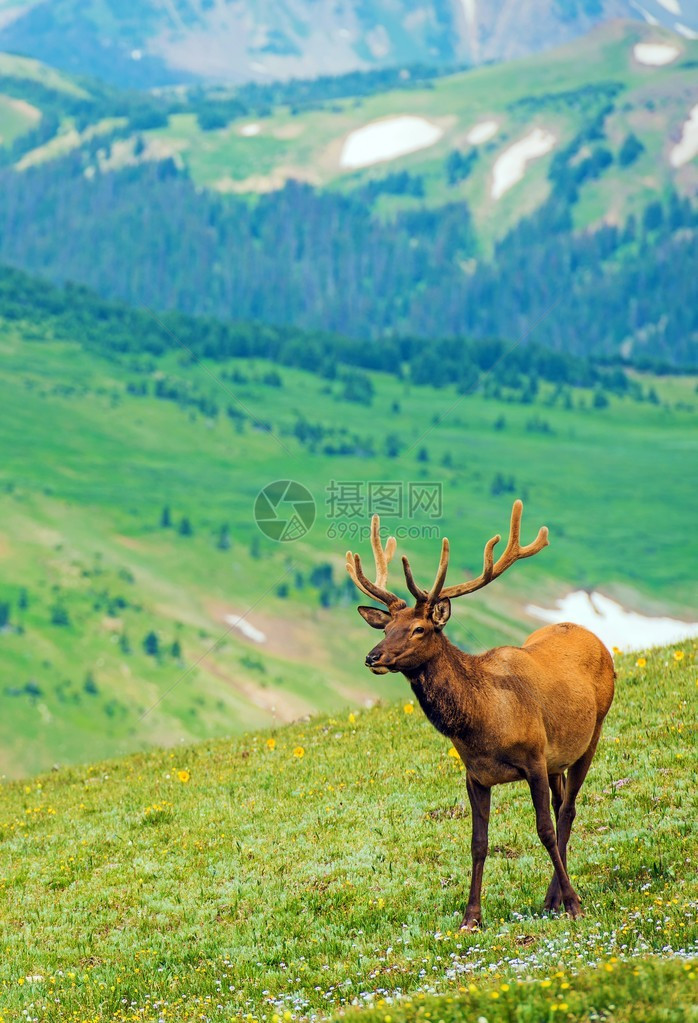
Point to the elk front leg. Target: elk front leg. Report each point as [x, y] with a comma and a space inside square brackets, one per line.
[479, 797]
[537, 777]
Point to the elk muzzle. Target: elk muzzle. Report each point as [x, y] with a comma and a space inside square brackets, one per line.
[373, 659]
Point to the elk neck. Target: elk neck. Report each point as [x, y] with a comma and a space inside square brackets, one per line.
[449, 688]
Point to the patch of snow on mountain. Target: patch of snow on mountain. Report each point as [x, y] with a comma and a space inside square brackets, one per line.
[655, 54]
[248, 630]
[482, 132]
[613, 624]
[509, 167]
[687, 147]
[672, 6]
[387, 139]
[649, 18]
[685, 31]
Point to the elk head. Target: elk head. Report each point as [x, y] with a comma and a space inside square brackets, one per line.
[413, 634]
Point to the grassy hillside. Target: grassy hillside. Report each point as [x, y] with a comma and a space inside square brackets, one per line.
[322, 869]
[92, 456]
[563, 92]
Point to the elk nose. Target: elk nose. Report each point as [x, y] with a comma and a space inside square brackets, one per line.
[371, 658]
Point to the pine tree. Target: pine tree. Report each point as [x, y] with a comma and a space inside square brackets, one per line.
[151, 644]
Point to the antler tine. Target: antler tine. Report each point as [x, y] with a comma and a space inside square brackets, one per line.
[440, 573]
[417, 592]
[382, 557]
[513, 552]
[432, 595]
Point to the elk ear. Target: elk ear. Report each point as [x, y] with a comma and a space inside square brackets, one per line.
[441, 612]
[375, 616]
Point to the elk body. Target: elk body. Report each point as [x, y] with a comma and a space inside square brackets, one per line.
[531, 713]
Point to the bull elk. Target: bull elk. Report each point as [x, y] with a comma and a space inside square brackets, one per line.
[527, 713]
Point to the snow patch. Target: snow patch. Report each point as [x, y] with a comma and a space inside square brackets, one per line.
[248, 130]
[482, 132]
[387, 139]
[614, 624]
[649, 18]
[687, 147]
[248, 630]
[672, 6]
[685, 31]
[655, 54]
[509, 167]
[470, 15]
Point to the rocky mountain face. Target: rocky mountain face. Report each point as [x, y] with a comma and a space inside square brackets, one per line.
[161, 42]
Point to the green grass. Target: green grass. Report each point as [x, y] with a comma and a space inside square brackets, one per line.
[239, 880]
[15, 66]
[87, 469]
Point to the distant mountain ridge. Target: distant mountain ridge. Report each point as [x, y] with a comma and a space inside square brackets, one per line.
[161, 42]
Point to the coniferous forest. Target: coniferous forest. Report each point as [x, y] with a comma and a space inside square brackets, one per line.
[324, 260]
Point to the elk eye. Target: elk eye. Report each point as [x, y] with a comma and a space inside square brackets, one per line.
[418, 631]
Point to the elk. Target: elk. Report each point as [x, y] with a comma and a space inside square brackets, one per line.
[530, 713]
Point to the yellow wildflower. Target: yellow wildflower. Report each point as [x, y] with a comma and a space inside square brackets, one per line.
[678, 655]
[299, 752]
[641, 662]
[352, 719]
[453, 752]
[408, 708]
[271, 743]
[616, 649]
[183, 776]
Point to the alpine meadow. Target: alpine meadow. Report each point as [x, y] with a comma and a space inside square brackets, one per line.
[288, 290]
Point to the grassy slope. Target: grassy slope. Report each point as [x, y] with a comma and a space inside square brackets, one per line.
[654, 104]
[87, 469]
[258, 883]
[26, 67]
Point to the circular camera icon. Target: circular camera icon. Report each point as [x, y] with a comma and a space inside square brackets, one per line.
[284, 510]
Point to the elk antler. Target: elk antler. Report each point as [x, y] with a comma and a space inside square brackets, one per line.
[490, 570]
[382, 557]
[431, 596]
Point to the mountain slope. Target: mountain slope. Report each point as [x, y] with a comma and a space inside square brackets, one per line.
[157, 43]
[322, 869]
[468, 235]
[114, 615]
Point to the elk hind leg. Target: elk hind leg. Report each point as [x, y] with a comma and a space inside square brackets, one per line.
[557, 792]
[537, 777]
[568, 811]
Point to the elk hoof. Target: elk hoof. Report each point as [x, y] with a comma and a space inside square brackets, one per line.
[553, 898]
[471, 922]
[573, 907]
